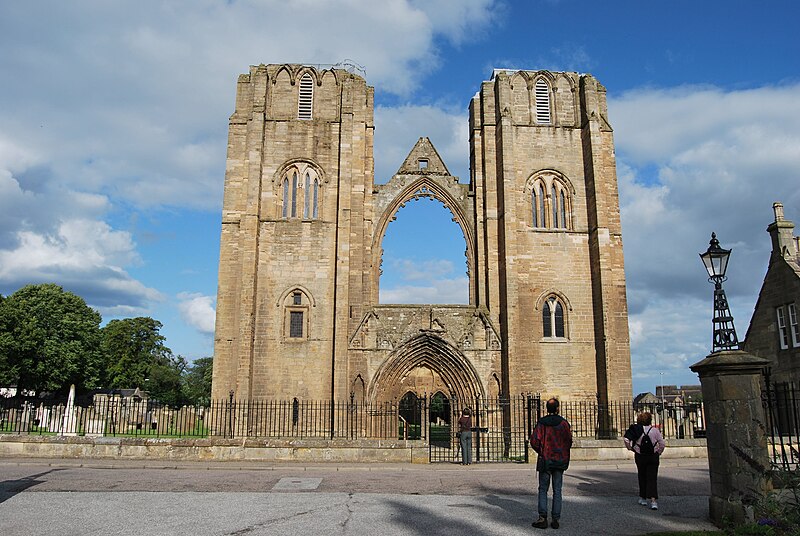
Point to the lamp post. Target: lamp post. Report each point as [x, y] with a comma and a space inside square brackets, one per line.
[663, 404]
[715, 260]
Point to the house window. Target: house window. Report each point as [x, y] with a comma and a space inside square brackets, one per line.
[297, 298]
[794, 327]
[423, 164]
[296, 324]
[542, 90]
[783, 334]
[535, 205]
[300, 195]
[553, 318]
[306, 99]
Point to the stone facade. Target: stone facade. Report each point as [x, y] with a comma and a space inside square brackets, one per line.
[298, 314]
[774, 333]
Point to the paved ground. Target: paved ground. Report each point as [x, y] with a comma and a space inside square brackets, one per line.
[157, 497]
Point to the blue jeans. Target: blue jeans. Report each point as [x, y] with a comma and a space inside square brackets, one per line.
[544, 484]
[466, 447]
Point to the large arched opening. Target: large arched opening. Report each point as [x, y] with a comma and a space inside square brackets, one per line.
[429, 255]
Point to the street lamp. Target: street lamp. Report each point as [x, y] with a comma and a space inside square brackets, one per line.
[715, 260]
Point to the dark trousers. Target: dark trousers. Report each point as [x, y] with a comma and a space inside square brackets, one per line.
[647, 467]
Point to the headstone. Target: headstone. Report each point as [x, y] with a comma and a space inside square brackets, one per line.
[69, 424]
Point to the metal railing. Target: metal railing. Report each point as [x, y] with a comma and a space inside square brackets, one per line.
[782, 409]
[504, 423]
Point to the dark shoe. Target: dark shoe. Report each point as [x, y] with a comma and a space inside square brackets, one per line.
[554, 524]
[540, 523]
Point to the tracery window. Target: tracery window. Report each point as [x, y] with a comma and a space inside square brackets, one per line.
[305, 100]
[551, 202]
[553, 318]
[542, 98]
[300, 192]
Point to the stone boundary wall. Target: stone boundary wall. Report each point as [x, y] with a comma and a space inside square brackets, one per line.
[282, 450]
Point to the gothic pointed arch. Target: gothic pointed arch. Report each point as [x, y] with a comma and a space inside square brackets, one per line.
[426, 350]
[430, 187]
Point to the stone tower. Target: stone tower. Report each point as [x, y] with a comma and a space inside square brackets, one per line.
[303, 222]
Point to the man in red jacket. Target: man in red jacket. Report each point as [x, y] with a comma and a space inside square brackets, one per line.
[551, 439]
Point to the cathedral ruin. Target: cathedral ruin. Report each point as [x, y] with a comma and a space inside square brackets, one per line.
[298, 314]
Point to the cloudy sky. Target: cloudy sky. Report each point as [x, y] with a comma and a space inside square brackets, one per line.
[113, 124]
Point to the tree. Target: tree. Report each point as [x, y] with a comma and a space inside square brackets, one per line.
[136, 356]
[49, 339]
[197, 386]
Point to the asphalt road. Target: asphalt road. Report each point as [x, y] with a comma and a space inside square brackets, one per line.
[164, 498]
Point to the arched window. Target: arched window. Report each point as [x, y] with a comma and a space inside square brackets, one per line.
[550, 201]
[300, 192]
[553, 318]
[296, 307]
[306, 196]
[306, 99]
[315, 205]
[285, 211]
[542, 89]
[541, 206]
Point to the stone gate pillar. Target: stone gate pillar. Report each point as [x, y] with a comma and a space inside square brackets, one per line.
[736, 431]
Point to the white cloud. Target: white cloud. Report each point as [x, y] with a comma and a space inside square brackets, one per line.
[112, 105]
[198, 311]
[692, 161]
[409, 270]
[443, 291]
[83, 256]
[133, 101]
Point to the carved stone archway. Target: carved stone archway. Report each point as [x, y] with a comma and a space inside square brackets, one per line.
[425, 364]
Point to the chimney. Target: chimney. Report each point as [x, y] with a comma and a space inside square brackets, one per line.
[784, 244]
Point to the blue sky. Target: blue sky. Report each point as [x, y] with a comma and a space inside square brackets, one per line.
[113, 130]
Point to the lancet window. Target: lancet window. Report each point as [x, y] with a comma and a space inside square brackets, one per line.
[300, 193]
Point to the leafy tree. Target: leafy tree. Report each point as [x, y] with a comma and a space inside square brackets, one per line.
[197, 386]
[136, 356]
[166, 380]
[49, 339]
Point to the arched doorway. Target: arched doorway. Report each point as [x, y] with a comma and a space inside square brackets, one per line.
[423, 365]
[441, 419]
[410, 413]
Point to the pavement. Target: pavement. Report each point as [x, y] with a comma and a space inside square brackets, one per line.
[110, 497]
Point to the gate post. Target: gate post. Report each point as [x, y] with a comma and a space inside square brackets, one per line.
[738, 459]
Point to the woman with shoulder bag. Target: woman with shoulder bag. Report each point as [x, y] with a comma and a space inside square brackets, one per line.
[647, 443]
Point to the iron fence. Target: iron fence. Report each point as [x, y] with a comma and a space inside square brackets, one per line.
[502, 425]
[782, 409]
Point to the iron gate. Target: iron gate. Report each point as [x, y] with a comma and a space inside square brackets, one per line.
[500, 428]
